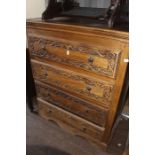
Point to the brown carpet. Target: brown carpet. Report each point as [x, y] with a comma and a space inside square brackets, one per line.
[46, 138]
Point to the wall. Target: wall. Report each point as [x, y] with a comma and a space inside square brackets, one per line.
[34, 8]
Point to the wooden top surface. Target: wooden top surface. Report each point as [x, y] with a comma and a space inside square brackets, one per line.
[79, 28]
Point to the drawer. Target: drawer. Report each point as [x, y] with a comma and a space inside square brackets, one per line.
[79, 55]
[73, 82]
[51, 112]
[71, 103]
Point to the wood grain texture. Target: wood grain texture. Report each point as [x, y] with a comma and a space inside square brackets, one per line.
[91, 75]
[71, 103]
[94, 59]
[117, 92]
[73, 82]
[52, 112]
[79, 29]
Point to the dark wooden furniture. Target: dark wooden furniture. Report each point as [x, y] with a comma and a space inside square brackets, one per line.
[116, 15]
[79, 73]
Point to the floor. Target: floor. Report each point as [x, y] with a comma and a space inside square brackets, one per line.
[47, 138]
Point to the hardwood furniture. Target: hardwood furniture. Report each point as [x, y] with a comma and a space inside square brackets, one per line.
[79, 73]
[116, 15]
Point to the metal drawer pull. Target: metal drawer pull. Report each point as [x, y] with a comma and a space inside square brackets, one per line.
[87, 111]
[49, 111]
[84, 129]
[90, 59]
[88, 88]
[42, 52]
[46, 74]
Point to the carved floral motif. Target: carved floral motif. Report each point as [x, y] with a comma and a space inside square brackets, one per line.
[41, 72]
[87, 109]
[111, 57]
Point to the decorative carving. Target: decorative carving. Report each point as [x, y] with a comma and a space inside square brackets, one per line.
[39, 71]
[75, 105]
[51, 112]
[110, 56]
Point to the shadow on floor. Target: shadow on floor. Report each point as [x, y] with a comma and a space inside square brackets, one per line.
[43, 150]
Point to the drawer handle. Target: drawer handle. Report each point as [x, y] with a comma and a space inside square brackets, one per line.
[84, 129]
[87, 111]
[45, 74]
[48, 95]
[42, 52]
[90, 59]
[49, 111]
[88, 88]
[68, 106]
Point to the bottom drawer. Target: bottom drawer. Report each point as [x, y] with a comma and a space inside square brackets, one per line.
[59, 115]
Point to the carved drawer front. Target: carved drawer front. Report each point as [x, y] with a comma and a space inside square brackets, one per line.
[71, 103]
[59, 115]
[73, 82]
[92, 59]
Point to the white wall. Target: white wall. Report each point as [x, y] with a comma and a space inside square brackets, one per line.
[34, 8]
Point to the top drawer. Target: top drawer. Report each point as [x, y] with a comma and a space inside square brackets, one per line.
[90, 58]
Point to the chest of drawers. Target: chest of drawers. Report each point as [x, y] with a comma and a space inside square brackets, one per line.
[78, 74]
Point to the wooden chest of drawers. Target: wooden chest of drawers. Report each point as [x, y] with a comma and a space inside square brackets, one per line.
[79, 74]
